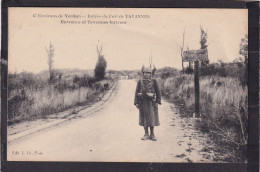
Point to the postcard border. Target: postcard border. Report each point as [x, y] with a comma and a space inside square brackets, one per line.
[253, 91]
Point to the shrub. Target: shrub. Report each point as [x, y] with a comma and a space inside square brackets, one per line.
[235, 70]
[100, 68]
[223, 105]
[81, 81]
[189, 70]
[30, 98]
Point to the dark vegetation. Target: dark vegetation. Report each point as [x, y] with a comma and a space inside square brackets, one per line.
[223, 100]
[100, 68]
[223, 104]
[31, 97]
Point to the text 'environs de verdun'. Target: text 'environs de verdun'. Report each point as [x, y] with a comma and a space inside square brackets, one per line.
[92, 19]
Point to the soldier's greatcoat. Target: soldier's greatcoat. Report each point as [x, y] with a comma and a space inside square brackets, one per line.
[148, 111]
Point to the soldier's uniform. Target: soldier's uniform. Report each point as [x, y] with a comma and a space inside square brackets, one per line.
[147, 96]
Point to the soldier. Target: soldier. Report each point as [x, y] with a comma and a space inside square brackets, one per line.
[147, 98]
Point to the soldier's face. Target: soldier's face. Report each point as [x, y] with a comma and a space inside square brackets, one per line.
[147, 75]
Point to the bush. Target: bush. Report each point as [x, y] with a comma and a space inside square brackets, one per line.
[235, 70]
[189, 70]
[81, 81]
[165, 72]
[19, 105]
[223, 105]
[100, 68]
[30, 98]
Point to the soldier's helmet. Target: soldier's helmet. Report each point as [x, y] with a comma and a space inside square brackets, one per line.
[148, 70]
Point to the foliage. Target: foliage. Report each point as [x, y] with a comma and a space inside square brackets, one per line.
[203, 38]
[243, 49]
[82, 81]
[166, 73]
[235, 69]
[30, 98]
[189, 70]
[100, 67]
[223, 107]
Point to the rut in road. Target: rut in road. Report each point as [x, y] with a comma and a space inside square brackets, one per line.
[113, 134]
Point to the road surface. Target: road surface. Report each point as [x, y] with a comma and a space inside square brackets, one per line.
[112, 134]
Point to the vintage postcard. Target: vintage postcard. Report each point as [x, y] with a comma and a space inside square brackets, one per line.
[127, 85]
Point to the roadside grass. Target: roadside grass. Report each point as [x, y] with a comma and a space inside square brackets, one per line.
[223, 108]
[37, 99]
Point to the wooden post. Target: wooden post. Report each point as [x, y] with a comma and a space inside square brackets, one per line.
[196, 56]
[197, 89]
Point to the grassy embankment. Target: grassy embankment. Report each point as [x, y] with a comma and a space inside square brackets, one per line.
[223, 107]
[31, 98]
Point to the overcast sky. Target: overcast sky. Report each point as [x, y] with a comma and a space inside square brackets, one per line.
[125, 46]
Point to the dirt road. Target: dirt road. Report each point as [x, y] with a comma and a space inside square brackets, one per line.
[113, 134]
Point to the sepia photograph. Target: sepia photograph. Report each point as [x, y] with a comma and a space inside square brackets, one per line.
[163, 85]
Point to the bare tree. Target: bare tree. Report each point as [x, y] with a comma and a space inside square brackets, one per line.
[181, 47]
[50, 53]
[99, 49]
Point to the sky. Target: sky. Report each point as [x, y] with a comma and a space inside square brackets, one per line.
[125, 46]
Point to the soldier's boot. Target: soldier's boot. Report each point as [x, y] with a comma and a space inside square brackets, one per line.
[152, 137]
[146, 135]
